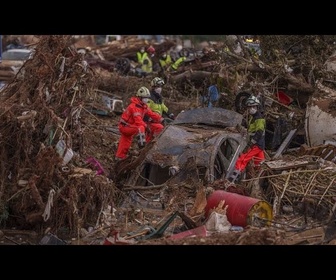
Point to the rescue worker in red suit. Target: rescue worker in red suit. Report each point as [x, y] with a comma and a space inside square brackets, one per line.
[132, 123]
[256, 145]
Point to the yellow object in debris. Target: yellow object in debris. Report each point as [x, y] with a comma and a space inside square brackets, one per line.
[260, 214]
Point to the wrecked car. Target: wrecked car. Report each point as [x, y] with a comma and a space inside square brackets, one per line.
[201, 143]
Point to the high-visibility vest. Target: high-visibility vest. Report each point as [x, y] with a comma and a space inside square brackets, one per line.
[165, 62]
[178, 62]
[141, 57]
[148, 68]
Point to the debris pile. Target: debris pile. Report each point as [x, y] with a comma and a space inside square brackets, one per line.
[42, 112]
[58, 145]
[305, 186]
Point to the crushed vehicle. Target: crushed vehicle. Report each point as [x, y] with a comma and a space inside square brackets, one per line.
[201, 143]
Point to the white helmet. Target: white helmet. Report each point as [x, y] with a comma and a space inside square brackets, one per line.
[252, 101]
[157, 82]
[143, 92]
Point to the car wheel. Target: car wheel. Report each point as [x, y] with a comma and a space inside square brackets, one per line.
[123, 65]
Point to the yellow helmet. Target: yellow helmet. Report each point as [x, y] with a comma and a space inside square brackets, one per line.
[143, 92]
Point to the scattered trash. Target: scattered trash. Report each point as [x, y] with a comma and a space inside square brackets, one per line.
[284, 98]
[51, 239]
[64, 152]
[96, 164]
[198, 231]
[242, 210]
[113, 104]
[236, 228]
[217, 223]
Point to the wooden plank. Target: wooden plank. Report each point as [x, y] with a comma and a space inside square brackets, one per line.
[10, 63]
[285, 143]
[284, 165]
[108, 93]
[7, 74]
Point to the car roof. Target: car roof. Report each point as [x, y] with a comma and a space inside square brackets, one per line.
[193, 132]
[214, 116]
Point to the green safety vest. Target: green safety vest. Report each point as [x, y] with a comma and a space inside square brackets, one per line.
[141, 57]
[158, 108]
[148, 68]
[165, 62]
[178, 62]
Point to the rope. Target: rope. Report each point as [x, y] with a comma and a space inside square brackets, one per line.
[46, 213]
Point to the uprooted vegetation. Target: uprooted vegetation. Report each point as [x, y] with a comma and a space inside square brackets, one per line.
[50, 101]
[41, 107]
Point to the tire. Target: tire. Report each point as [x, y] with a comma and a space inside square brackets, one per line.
[123, 65]
[240, 101]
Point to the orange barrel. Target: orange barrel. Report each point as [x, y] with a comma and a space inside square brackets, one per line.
[242, 210]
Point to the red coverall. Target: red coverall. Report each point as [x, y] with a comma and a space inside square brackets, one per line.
[254, 153]
[154, 129]
[131, 123]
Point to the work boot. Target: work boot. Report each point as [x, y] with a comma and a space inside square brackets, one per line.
[234, 176]
[141, 140]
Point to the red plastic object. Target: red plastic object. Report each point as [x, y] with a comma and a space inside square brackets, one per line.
[241, 209]
[284, 98]
[199, 231]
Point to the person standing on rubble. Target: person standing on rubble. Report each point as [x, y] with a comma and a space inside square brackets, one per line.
[156, 104]
[255, 149]
[132, 123]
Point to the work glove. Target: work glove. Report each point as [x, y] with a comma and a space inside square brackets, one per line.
[242, 130]
[147, 119]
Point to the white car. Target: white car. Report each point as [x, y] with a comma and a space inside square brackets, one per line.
[17, 54]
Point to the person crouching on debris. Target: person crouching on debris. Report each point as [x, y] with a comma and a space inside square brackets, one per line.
[156, 104]
[178, 62]
[210, 97]
[131, 123]
[256, 145]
